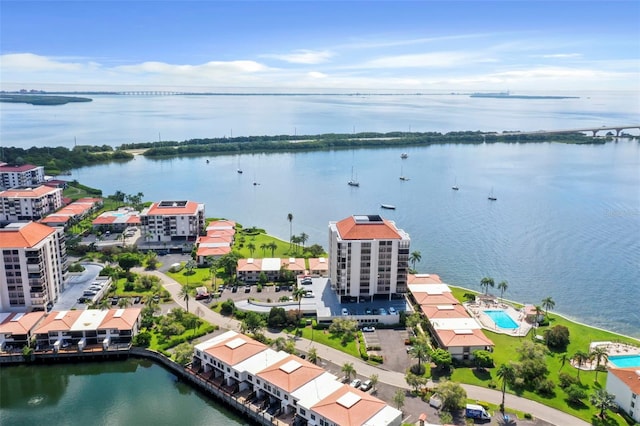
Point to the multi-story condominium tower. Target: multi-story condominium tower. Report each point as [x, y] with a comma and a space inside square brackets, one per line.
[29, 204]
[368, 256]
[33, 266]
[26, 175]
[172, 221]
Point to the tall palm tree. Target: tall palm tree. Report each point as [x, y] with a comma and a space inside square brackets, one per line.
[290, 219]
[580, 357]
[251, 247]
[563, 359]
[184, 294]
[538, 311]
[420, 351]
[487, 282]
[414, 258]
[273, 247]
[507, 374]
[602, 400]
[295, 240]
[303, 239]
[600, 355]
[503, 286]
[264, 247]
[298, 294]
[548, 304]
[349, 370]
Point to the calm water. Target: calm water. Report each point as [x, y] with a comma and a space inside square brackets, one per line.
[131, 392]
[566, 223]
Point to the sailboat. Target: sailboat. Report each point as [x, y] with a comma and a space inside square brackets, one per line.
[402, 176]
[239, 169]
[491, 196]
[455, 184]
[353, 182]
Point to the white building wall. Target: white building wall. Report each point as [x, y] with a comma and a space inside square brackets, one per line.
[623, 396]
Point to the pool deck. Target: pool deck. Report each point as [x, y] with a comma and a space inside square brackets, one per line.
[613, 349]
[476, 310]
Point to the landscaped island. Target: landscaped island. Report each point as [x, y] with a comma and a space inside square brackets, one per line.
[41, 99]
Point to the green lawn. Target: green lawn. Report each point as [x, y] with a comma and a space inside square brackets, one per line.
[200, 277]
[323, 337]
[283, 248]
[580, 338]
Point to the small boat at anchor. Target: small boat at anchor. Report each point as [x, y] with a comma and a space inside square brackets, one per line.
[404, 155]
[388, 206]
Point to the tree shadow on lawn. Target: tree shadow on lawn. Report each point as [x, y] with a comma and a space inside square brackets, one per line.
[482, 374]
[607, 421]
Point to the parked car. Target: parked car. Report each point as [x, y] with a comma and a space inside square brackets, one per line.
[392, 310]
[309, 294]
[369, 329]
[366, 385]
[234, 289]
[345, 311]
[136, 300]
[247, 289]
[383, 311]
[356, 383]
[368, 311]
[306, 281]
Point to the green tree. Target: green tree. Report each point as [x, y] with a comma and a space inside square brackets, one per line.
[580, 357]
[557, 337]
[251, 247]
[374, 382]
[414, 258]
[264, 247]
[184, 295]
[441, 358]
[279, 343]
[601, 356]
[452, 395]
[273, 247]
[312, 356]
[398, 399]
[128, 260]
[253, 322]
[414, 380]
[277, 317]
[290, 219]
[124, 302]
[303, 238]
[298, 294]
[503, 286]
[482, 359]
[575, 393]
[420, 351]
[603, 401]
[349, 370]
[485, 283]
[507, 375]
[548, 304]
[190, 266]
[183, 353]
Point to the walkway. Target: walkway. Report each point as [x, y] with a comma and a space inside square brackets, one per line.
[393, 378]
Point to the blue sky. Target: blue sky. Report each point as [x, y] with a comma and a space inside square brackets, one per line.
[296, 45]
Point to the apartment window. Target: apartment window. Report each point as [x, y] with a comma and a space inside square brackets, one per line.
[286, 397]
[304, 413]
[313, 417]
[250, 377]
[235, 374]
[258, 381]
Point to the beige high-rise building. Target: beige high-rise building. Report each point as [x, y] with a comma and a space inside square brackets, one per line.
[368, 257]
[33, 266]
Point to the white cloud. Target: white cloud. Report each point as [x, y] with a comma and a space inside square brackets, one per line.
[209, 67]
[426, 60]
[30, 62]
[317, 75]
[304, 56]
[560, 55]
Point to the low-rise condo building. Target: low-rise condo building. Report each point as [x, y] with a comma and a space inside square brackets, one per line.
[29, 204]
[624, 383]
[17, 328]
[74, 211]
[368, 256]
[33, 266]
[249, 270]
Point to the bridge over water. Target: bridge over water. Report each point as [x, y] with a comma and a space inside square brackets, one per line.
[593, 130]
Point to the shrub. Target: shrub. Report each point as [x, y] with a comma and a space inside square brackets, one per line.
[567, 380]
[528, 416]
[227, 307]
[557, 337]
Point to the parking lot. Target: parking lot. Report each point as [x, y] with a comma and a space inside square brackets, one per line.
[76, 286]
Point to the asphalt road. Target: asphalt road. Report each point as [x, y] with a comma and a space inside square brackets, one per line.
[547, 415]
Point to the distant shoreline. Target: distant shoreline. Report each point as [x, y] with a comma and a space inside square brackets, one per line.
[40, 99]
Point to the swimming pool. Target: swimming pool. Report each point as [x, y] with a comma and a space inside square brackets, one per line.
[501, 318]
[624, 361]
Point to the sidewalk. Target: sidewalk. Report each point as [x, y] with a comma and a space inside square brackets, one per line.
[393, 378]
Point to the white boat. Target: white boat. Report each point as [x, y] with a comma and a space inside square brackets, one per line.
[491, 196]
[239, 169]
[402, 176]
[352, 181]
[388, 206]
[404, 155]
[455, 185]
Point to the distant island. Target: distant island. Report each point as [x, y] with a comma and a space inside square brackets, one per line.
[40, 99]
[507, 95]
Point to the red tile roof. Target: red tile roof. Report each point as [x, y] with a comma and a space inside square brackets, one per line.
[349, 229]
[58, 321]
[444, 311]
[458, 338]
[435, 299]
[290, 373]
[423, 279]
[349, 407]
[122, 319]
[235, 349]
[23, 168]
[25, 236]
[190, 208]
[29, 192]
[22, 325]
[629, 376]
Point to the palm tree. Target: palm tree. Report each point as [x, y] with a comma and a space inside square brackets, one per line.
[538, 311]
[184, 294]
[374, 381]
[485, 283]
[414, 258]
[290, 219]
[580, 357]
[298, 294]
[348, 370]
[548, 304]
[563, 359]
[603, 401]
[295, 240]
[312, 355]
[124, 302]
[264, 247]
[502, 286]
[420, 350]
[303, 238]
[251, 247]
[600, 355]
[507, 374]
[273, 247]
